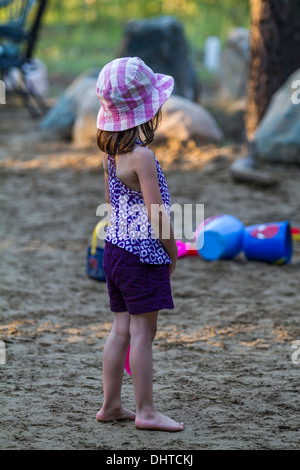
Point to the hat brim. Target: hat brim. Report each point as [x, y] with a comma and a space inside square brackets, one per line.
[117, 122]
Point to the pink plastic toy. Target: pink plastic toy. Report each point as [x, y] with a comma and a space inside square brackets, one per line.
[186, 248]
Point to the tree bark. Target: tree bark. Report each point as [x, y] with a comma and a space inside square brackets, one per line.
[275, 54]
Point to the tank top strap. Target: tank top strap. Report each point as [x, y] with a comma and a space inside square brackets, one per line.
[111, 163]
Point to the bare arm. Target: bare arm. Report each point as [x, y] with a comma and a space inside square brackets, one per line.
[146, 171]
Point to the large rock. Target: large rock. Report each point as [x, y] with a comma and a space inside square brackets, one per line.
[62, 116]
[161, 43]
[75, 113]
[84, 129]
[182, 119]
[234, 65]
[277, 138]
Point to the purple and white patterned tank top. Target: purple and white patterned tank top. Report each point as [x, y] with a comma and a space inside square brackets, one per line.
[129, 223]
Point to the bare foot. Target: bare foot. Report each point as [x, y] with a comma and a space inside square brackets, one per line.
[159, 422]
[116, 414]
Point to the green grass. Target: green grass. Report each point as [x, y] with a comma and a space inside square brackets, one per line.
[72, 49]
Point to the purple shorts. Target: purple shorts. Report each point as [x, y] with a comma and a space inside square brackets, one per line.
[133, 286]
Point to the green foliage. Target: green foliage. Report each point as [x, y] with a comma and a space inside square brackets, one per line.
[81, 34]
[92, 10]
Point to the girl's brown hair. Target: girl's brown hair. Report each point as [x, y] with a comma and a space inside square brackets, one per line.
[116, 143]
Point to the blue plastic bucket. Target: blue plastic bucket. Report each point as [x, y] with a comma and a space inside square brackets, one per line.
[94, 264]
[219, 237]
[94, 256]
[270, 242]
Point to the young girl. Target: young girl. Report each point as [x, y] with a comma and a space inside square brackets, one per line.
[138, 260]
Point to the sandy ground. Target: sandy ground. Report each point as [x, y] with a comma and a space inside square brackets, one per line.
[223, 357]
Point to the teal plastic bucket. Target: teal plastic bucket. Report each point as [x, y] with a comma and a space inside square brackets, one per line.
[94, 255]
[219, 237]
[271, 243]
[94, 264]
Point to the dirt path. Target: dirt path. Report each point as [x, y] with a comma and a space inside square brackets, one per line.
[222, 357]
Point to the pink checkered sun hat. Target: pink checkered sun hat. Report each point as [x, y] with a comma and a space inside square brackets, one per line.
[130, 94]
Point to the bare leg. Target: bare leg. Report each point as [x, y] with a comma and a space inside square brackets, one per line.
[142, 331]
[114, 355]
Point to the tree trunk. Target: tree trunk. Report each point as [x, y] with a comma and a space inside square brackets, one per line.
[275, 53]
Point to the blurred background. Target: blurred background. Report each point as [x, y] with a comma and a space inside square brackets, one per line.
[82, 34]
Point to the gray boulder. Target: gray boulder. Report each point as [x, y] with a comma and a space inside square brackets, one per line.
[160, 42]
[84, 129]
[277, 138]
[62, 116]
[234, 66]
[182, 120]
[75, 113]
